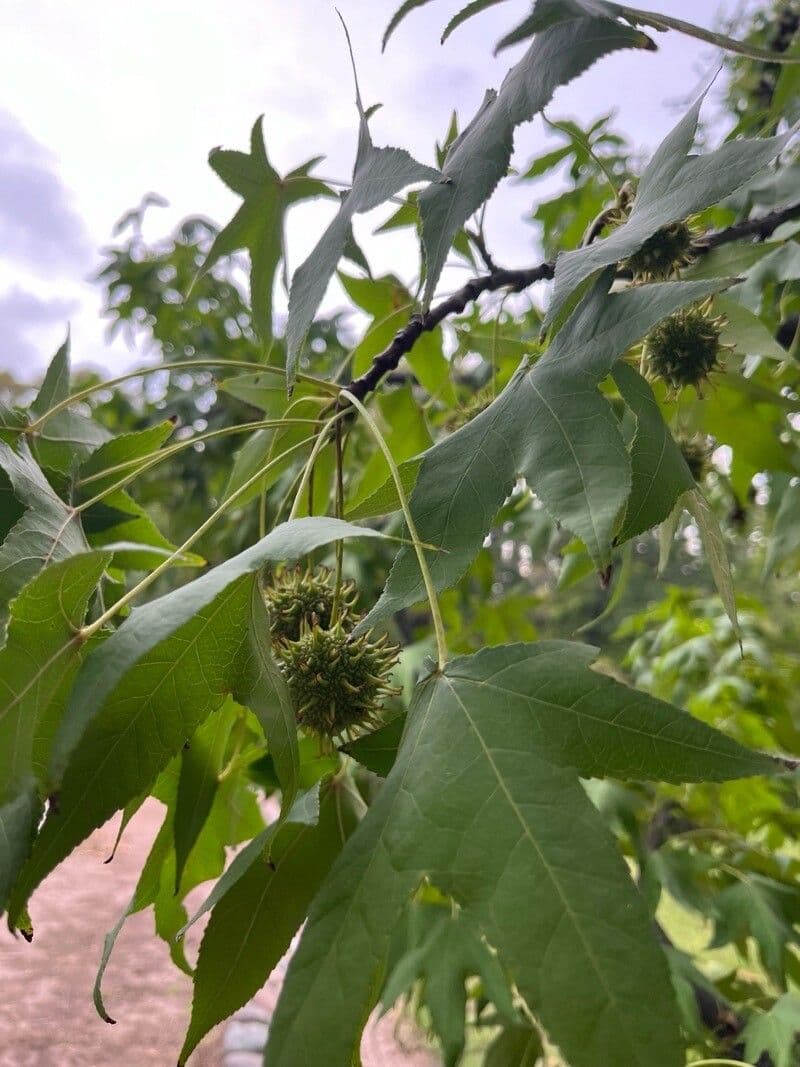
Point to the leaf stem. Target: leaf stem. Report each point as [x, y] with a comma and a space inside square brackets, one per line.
[319, 444]
[586, 146]
[430, 588]
[87, 631]
[154, 458]
[185, 364]
[339, 512]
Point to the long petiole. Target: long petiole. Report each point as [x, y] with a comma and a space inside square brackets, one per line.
[161, 368]
[430, 588]
[339, 549]
[319, 444]
[145, 462]
[146, 582]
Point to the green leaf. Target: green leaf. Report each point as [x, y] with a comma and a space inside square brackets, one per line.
[715, 551]
[673, 186]
[763, 909]
[746, 331]
[550, 425]
[266, 693]
[444, 952]
[728, 261]
[552, 12]
[67, 437]
[256, 917]
[404, 429]
[784, 541]
[152, 683]
[405, 9]
[264, 445]
[377, 751]
[201, 762]
[379, 174]
[118, 517]
[258, 224]
[659, 472]
[384, 499]
[515, 1046]
[125, 448]
[304, 811]
[37, 666]
[774, 1032]
[137, 542]
[39, 662]
[19, 817]
[480, 155]
[474, 8]
[48, 531]
[55, 386]
[233, 818]
[518, 828]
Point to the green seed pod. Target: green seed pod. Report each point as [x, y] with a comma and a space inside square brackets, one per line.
[337, 682]
[300, 598]
[663, 254]
[474, 406]
[684, 348]
[697, 454]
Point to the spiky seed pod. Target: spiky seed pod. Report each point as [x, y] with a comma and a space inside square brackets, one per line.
[337, 682]
[697, 454]
[684, 348]
[299, 598]
[663, 254]
[474, 406]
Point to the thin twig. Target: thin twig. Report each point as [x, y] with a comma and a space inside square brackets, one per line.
[516, 281]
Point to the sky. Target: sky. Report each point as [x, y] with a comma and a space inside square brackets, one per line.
[101, 103]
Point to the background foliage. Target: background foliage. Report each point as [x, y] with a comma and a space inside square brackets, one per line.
[533, 832]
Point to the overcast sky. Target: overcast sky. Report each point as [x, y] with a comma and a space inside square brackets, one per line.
[102, 102]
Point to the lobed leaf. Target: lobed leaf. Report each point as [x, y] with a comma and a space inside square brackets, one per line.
[552, 12]
[37, 667]
[658, 470]
[480, 156]
[258, 224]
[49, 530]
[550, 425]
[519, 846]
[141, 695]
[378, 174]
[258, 914]
[673, 186]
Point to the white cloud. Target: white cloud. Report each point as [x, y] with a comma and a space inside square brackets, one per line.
[130, 97]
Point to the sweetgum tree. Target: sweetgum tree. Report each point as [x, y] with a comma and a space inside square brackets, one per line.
[376, 547]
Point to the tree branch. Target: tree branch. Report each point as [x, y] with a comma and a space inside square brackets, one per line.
[513, 280]
[517, 280]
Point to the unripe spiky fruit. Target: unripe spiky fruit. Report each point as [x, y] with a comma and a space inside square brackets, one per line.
[696, 453]
[684, 348]
[300, 598]
[337, 682]
[663, 254]
[475, 405]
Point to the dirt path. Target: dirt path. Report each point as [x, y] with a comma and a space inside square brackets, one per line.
[47, 1018]
[46, 1014]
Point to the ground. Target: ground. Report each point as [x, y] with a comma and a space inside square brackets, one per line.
[47, 1018]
